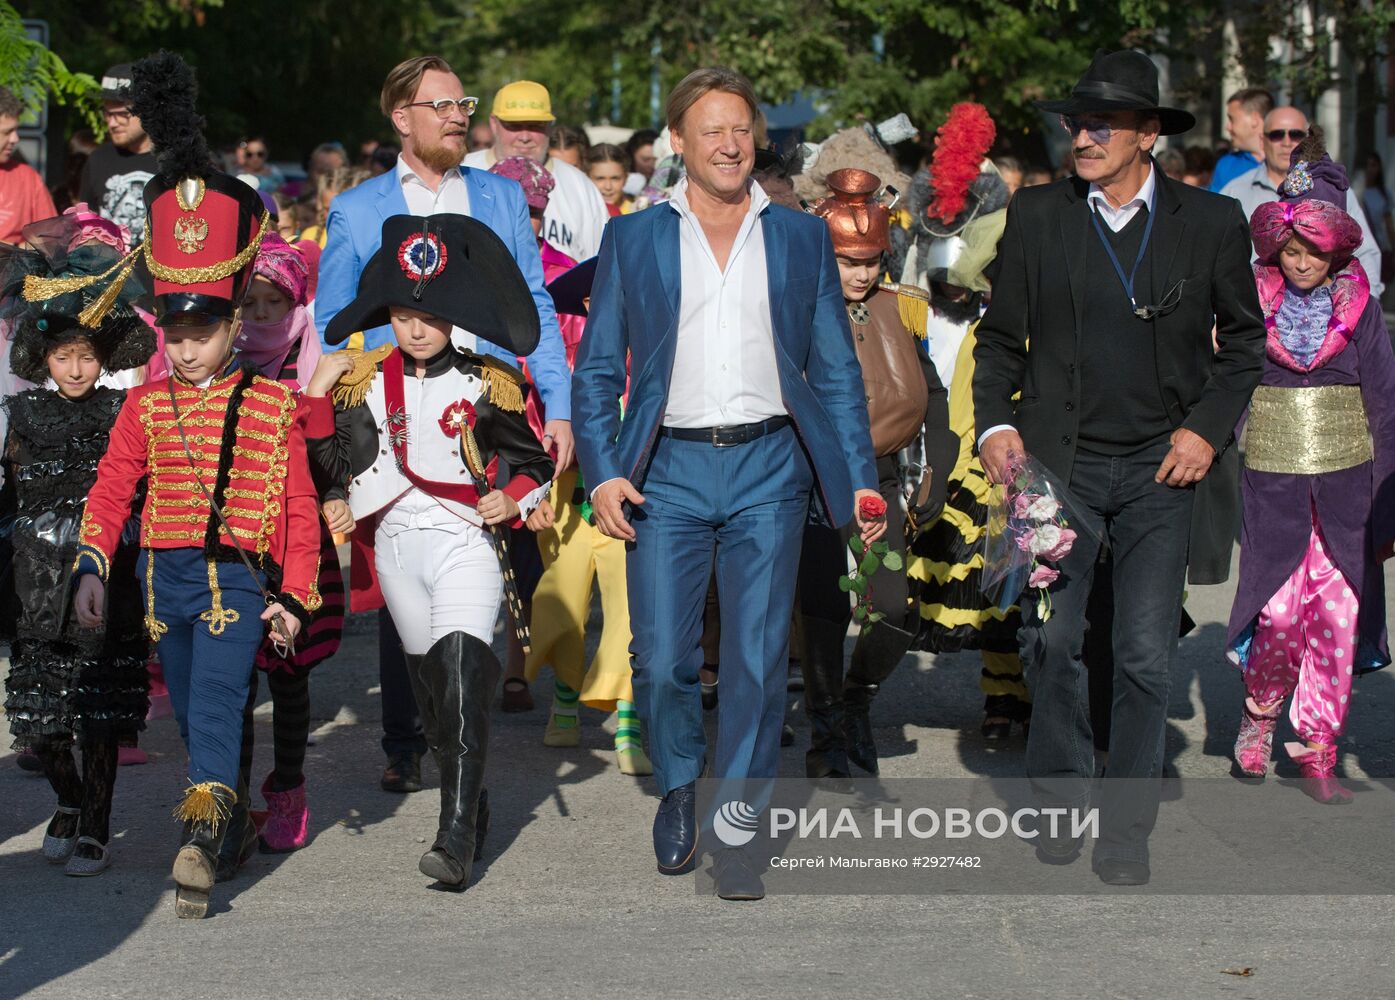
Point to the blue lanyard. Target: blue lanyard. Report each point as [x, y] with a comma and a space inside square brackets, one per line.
[1127, 282]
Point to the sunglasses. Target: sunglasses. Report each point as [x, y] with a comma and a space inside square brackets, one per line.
[1294, 134]
[256, 154]
[445, 106]
[1098, 131]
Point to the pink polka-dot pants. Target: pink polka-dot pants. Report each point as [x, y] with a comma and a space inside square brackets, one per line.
[1305, 645]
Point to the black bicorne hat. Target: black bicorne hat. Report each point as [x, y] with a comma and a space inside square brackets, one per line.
[572, 288]
[1121, 81]
[450, 267]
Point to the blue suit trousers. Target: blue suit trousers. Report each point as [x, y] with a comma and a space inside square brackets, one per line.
[745, 507]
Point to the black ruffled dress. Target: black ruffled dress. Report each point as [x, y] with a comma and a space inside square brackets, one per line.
[66, 682]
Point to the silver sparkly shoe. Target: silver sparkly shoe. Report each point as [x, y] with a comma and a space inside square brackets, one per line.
[83, 867]
[58, 849]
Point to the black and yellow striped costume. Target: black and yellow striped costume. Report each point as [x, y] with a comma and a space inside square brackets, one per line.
[946, 561]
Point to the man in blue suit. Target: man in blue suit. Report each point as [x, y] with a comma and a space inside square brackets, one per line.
[745, 400]
[428, 107]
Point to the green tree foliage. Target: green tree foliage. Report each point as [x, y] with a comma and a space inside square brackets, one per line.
[32, 72]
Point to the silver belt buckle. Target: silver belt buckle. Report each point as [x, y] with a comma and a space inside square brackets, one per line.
[717, 442]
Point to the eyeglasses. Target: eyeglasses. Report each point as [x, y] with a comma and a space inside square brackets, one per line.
[1098, 131]
[445, 106]
[1294, 134]
[257, 154]
[118, 115]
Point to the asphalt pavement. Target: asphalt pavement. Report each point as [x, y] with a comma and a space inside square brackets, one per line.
[567, 901]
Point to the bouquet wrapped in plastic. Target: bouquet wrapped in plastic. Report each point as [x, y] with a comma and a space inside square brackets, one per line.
[1032, 526]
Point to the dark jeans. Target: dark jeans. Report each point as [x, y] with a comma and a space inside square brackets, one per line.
[401, 725]
[1146, 526]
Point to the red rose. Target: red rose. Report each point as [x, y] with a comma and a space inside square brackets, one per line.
[871, 508]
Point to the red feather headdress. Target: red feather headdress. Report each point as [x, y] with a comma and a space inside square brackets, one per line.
[960, 145]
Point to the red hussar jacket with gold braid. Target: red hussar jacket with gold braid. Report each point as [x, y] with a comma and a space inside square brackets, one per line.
[247, 437]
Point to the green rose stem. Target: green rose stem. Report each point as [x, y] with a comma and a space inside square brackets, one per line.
[869, 560]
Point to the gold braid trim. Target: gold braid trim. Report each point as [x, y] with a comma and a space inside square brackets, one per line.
[200, 805]
[153, 626]
[39, 289]
[352, 387]
[913, 303]
[502, 385]
[471, 448]
[211, 272]
[313, 600]
[218, 617]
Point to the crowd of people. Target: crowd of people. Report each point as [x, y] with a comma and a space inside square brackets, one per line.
[509, 368]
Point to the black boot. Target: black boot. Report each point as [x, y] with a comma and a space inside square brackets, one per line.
[827, 758]
[880, 648]
[240, 840]
[457, 678]
[206, 810]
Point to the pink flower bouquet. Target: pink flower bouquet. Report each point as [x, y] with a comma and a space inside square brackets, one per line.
[1030, 530]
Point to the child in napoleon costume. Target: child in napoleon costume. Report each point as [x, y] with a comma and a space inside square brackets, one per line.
[413, 438]
[229, 532]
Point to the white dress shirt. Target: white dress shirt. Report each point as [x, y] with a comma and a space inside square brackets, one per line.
[724, 369]
[575, 215]
[451, 197]
[1116, 219]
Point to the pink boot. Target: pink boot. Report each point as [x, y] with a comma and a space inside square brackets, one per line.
[1256, 741]
[286, 819]
[1318, 769]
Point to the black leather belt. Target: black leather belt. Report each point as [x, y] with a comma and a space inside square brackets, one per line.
[725, 437]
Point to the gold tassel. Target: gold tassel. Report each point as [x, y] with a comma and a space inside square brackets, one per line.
[200, 805]
[153, 626]
[913, 304]
[501, 383]
[218, 617]
[96, 311]
[352, 387]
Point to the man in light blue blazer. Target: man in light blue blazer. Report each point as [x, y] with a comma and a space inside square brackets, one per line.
[428, 107]
[745, 405]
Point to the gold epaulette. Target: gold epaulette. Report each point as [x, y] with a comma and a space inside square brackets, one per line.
[353, 385]
[503, 383]
[913, 303]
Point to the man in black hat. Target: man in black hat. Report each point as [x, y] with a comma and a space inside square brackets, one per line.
[1109, 284]
[113, 179]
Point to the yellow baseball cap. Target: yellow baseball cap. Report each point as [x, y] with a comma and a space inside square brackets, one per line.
[523, 101]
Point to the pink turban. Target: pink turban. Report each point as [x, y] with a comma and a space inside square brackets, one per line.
[536, 180]
[91, 226]
[284, 266]
[1320, 223]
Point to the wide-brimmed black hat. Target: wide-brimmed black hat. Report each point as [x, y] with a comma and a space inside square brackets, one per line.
[1121, 81]
[451, 267]
[571, 288]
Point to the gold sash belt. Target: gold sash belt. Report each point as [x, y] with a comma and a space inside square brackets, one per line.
[1307, 431]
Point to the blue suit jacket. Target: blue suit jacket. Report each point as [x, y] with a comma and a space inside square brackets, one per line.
[634, 309]
[355, 230]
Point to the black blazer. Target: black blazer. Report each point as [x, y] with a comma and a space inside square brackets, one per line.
[1029, 339]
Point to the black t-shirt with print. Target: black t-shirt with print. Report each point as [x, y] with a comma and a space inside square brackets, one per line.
[113, 184]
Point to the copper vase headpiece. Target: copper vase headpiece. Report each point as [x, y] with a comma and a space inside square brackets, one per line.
[858, 222]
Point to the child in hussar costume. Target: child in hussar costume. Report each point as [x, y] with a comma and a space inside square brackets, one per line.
[229, 531]
[68, 686]
[414, 441]
[1318, 494]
